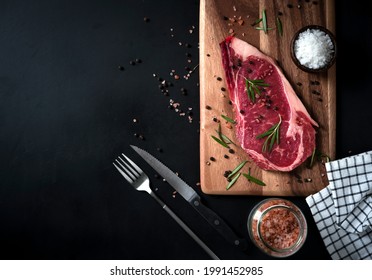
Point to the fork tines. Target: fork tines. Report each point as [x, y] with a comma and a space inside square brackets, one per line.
[127, 168]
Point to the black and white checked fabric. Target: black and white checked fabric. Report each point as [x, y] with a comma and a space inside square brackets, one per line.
[343, 210]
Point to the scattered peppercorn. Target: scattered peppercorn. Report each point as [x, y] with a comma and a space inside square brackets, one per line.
[231, 151]
[208, 107]
[212, 159]
[146, 19]
[223, 89]
[160, 150]
[315, 92]
[138, 60]
[121, 68]
[290, 6]
[219, 79]
[315, 83]
[132, 62]
[226, 156]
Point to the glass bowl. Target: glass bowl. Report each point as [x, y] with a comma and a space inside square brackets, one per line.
[312, 50]
[277, 227]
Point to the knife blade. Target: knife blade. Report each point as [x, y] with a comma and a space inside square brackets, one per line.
[192, 197]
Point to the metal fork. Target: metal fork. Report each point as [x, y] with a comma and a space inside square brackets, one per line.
[140, 181]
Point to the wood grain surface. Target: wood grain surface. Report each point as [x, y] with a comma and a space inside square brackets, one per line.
[218, 19]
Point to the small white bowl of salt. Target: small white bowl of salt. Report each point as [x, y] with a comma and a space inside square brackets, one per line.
[313, 49]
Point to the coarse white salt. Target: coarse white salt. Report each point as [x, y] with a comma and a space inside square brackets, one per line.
[314, 48]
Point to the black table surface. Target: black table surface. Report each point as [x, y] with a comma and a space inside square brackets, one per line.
[71, 102]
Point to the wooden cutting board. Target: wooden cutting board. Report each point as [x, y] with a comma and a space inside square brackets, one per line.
[220, 18]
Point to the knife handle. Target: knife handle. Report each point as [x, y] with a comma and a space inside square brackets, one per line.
[185, 227]
[219, 224]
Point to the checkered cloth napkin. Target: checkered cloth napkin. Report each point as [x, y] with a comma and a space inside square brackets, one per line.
[343, 210]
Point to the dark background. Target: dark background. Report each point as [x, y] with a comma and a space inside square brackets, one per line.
[67, 110]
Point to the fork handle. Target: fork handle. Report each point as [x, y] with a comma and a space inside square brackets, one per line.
[186, 228]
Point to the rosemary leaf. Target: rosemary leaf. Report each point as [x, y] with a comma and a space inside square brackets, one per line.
[257, 21]
[272, 141]
[326, 157]
[266, 133]
[253, 179]
[226, 139]
[220, 141]
[228, 119]
[264, 21]
[223, 137]
[280, 26]
[237, 169]
[312, 158]
[261, 28]
[233, 181]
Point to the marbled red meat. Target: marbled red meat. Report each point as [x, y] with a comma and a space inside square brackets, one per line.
[273, 103]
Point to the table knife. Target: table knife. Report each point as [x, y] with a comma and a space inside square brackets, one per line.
[192, 197]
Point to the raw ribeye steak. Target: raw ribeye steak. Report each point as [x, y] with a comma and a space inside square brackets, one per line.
[272, 124]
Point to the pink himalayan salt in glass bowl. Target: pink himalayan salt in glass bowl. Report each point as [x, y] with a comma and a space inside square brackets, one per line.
[277, 227]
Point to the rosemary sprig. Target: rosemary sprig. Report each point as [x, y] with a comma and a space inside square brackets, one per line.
[263, 19]
[253, 179]
[272, 136]
[228, 119]
[222, 138]
[234, 175]
[279, 25]
[254, 87]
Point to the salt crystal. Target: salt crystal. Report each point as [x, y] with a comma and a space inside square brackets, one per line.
[314, 48]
